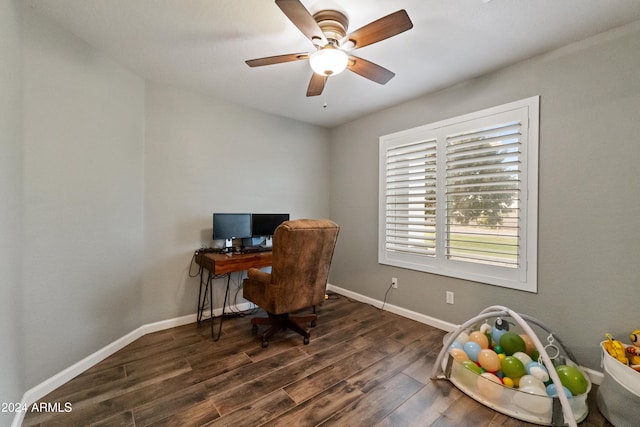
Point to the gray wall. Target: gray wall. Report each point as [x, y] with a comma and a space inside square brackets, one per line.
[202, 156]
[589, 246]
[11, 384]
[83, 199]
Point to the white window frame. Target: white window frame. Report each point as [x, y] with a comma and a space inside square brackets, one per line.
[524, 276]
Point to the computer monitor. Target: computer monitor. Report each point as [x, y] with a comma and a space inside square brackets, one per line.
[229, 226]
[264, 225]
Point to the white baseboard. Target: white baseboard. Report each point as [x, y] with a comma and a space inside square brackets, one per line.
[34, 394]
[596, 377]
[418, 317]
[47, 386]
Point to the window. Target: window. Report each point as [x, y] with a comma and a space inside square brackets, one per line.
[459, 197]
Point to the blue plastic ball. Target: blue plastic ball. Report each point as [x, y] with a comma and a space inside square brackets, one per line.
[538, 371]
[472, 349]
[552, 391]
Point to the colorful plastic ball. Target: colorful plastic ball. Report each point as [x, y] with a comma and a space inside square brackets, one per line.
[480, 338]
[501, 356]
[533, 390]
[523, 357]
[512, 343]
[573, 379]
[539, 403]
[458, 354]
[537, 370]
[456, 344]
[512, 368]
[508, 382]
[552, 391]
[498, 349]
[472, 366]
[528, 342]
[489, 360]
[535, 355]
[472, 349]
[462, 338]
[490, 386]
[529, 381]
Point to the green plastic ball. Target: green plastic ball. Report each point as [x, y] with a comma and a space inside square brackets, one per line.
[573, 379]
[535, 355]
[512, 343]
[512, 367]
[469, 364]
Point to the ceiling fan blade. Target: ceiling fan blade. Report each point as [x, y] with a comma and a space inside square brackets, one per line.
[381, 29]
[278, 59]
[316, 85]
[369, 70]
[301, 18]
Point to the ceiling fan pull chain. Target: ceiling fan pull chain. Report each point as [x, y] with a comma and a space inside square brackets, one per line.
[324, 100]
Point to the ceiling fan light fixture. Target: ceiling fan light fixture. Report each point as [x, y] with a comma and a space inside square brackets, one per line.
[326, 29]
[328, 61]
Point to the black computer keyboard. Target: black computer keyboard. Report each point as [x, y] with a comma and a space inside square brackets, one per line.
[253, 249]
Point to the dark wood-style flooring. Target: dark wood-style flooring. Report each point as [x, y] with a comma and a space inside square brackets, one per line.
[363, 367]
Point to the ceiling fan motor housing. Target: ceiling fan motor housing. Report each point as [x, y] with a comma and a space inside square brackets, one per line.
[333, 24]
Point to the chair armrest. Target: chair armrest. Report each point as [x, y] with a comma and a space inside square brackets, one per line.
[256, 275]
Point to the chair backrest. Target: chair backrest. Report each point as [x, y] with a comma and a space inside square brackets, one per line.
[302, 253]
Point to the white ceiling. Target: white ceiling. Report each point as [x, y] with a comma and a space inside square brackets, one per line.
[202, 45]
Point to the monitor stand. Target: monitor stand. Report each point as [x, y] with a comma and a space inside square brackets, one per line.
[229, 248]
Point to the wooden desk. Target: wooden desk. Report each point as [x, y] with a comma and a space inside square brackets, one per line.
[219, 266]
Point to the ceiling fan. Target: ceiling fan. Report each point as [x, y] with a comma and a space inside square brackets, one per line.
[327, 30]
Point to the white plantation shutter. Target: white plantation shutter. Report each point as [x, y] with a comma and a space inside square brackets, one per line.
[459, 197]
[411, 198]
[483, 177]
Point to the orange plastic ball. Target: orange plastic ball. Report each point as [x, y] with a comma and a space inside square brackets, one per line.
[528, 342]
[479, 338]
[489, 360]
[458, 354]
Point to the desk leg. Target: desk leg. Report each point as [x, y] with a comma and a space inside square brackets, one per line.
[202, 296]
[224, 304]
[210, 283]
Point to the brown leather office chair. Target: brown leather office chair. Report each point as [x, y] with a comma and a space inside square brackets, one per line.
[302, 253]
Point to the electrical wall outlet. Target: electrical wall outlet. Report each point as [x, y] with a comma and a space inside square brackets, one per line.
[394, 282]
[449, 297]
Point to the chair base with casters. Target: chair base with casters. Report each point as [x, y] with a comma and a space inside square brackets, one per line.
[281, 322]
